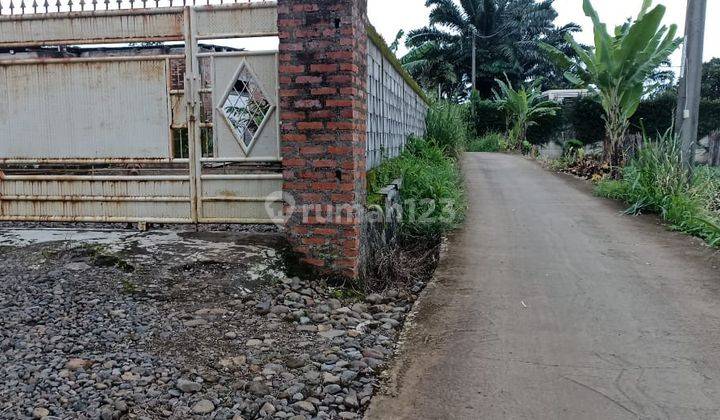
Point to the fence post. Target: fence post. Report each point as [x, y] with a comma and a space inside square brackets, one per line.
[323, 105]
[714, 148]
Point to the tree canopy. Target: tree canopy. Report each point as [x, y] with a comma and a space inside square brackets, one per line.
[506, 32]
[711, 79]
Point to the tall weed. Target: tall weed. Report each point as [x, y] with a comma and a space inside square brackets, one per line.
[447, 127]
[432, 188]
[656, 181]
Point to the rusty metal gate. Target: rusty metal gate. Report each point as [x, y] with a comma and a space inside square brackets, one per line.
[183, 133]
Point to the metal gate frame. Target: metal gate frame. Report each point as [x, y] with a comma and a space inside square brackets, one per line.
[189, 24]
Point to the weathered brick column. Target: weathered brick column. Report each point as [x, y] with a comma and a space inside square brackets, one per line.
[323, 105]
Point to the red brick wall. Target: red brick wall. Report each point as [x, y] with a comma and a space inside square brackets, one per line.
[323, 105]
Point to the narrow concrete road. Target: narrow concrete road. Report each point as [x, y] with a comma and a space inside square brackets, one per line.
[553, 305]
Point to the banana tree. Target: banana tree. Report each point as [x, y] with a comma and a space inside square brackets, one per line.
[523, 107]
[618, 67]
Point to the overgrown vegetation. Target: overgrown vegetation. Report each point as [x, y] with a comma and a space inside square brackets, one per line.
[446, 127]
[655, 181]
[432, 188]
[523, 107]
[618, 67]
[492, 142]
[432, 200]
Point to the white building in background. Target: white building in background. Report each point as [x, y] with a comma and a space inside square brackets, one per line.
[559, 95]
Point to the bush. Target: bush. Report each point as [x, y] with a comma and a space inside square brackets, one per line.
[585, 118]
[655, 116]
[447, 127]
[485, 117]
[582, 118]
[655, 181]
[573, 147]
[492, 142]
[432, 188]
[709, 117]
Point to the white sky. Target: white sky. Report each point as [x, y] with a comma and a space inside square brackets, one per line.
[389, 16]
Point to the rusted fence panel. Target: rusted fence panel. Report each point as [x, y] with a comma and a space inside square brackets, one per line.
[85, 109]
[187, 135]
[95, 198]
[248, 19]
[92, 28]
[237, 20]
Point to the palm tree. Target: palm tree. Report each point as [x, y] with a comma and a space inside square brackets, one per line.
[428, 67]
[506, 34]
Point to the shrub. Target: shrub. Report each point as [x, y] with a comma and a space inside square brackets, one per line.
[709, 117]
[447, 127]
[523, 106]
[492, 142]
[484, 116]
[654, 117]
[656, 181]
[572, 147]
[432, 188]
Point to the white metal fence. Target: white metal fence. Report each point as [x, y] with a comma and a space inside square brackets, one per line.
[30, 7]
[180, 135]
[395, 109]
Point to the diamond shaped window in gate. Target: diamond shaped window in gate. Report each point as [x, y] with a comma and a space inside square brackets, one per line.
[246, 108]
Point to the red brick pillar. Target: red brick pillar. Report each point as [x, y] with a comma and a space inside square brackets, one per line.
[323, 108]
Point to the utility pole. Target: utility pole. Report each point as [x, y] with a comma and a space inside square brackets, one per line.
[688, 110]
[474, 60]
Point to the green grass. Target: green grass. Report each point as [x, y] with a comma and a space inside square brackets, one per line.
[655, 181]
[492, 142]
[432, 191]
[447, 127]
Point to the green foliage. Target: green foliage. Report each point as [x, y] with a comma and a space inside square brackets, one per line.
[523, 107]
[711, 80]
[506, 35]
[485, 116]
[548, 128]
[432, 188]
[654, 117]
[619, 65]
[709, 117]
[396, 43]
[491, 142]
[428, 66]
[573, 153]
[446, 126]
[656, 181]
[572, 147]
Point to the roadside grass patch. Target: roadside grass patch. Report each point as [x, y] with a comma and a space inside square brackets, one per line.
[489, 143]
[655, 181]
[432, 199]
[432, 191]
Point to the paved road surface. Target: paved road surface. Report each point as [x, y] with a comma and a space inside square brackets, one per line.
[553, 305]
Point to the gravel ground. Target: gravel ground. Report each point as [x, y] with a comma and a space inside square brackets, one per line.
[122, 327]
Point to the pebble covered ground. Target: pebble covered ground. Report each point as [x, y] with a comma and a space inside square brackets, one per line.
[87, 333]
